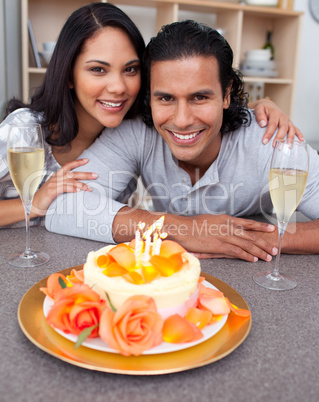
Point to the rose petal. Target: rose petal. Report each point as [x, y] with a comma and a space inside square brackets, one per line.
[124, 256]
[177, 329]
[106, 332]
[163, 265]
[133, 277]
[76, 276]
[238, 311]
[53, 285]
[217, 305]
[114, 269]
[209, 292]
[169, 247]
[149, 273]
[103, 260]
[198, 317]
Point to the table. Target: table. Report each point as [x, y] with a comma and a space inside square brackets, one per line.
[278, 361]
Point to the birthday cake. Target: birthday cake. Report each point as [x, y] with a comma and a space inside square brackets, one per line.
[170, 277]
[133, 296]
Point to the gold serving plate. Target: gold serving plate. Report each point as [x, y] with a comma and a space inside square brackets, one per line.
[33, 324]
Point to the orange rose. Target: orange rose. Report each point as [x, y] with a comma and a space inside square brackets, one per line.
[75, 309]
[135, 327]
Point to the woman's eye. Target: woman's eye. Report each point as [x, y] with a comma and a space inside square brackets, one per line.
[132, 70]
[97, 69]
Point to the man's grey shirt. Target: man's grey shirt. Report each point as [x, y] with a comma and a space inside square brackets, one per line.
[235, 184]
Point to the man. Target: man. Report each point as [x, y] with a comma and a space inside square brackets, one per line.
[201, 163]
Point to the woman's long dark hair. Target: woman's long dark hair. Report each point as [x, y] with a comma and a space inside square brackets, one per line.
[54, 98]
[188, 38]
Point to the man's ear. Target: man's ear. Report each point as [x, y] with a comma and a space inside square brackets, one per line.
[227, 97]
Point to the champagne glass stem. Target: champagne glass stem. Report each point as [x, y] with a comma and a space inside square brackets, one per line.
[27, 210]
[281, 231]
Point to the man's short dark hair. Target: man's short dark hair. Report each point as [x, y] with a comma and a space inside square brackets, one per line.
[181, 40]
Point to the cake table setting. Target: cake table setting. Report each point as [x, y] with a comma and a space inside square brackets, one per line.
[264, 347]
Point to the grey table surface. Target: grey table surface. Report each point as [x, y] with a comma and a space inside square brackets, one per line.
[278, 361]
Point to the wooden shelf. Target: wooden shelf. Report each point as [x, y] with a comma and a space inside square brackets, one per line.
[245, 28]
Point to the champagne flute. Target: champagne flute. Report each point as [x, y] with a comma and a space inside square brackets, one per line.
[287, 182]
[26, 163]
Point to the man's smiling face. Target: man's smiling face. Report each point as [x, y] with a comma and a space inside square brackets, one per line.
[187, 108]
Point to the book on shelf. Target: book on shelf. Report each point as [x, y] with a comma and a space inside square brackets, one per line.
[34, 45]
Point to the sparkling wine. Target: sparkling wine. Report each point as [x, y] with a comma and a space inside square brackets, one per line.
[26, 168]
[286, 189]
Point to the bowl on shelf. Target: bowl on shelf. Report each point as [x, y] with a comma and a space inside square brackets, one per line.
[269, 3]
[46, 56]
[258, 54]
[258, 63]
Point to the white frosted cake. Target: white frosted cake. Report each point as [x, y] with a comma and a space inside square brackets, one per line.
[174, 288]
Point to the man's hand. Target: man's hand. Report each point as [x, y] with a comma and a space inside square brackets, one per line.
[223, 236]
[213, 236]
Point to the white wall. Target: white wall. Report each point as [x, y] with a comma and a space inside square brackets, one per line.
[10, 51]
[3, 83]
[306, 110]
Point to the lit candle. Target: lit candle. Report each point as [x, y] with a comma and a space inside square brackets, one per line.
[157, 246]
[146, 254]
[159, 243]
[138, 248]
[157, 225]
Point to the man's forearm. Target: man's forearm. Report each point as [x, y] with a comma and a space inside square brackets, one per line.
[301, 238]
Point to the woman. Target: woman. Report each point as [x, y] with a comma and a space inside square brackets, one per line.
[93, 81]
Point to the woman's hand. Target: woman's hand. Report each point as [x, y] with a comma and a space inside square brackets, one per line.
[268, 114]
[63, 181]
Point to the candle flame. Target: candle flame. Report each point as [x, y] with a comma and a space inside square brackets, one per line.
[156, 226]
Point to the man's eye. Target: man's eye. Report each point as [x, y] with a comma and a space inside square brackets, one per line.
[200, 97]
[166, 98]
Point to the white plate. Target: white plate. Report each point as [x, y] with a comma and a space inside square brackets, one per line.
[97, 343]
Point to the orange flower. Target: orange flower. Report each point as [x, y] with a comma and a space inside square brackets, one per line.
[135, 327]
[75, 309]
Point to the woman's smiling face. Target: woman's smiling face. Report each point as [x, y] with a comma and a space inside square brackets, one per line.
[106, 78]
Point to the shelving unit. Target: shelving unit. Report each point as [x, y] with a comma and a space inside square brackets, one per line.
[245, 28]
